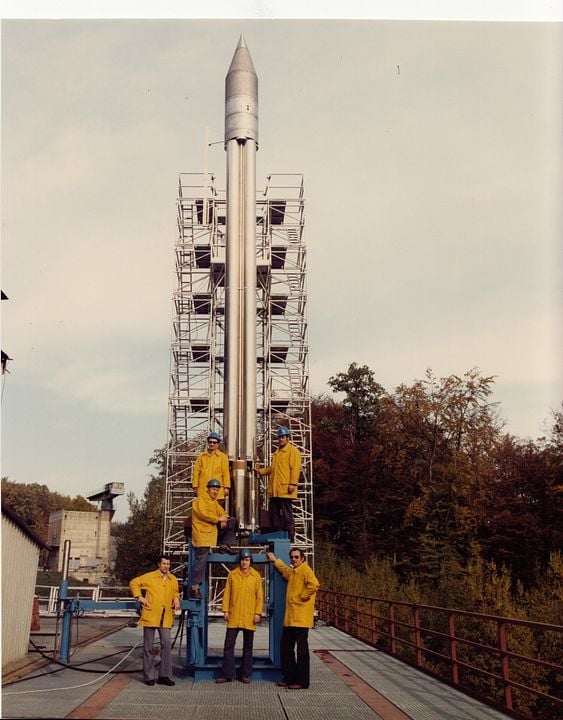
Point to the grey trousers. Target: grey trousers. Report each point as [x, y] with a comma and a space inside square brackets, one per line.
[165, 669]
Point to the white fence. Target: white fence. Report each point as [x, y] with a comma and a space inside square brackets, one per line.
[49, 594]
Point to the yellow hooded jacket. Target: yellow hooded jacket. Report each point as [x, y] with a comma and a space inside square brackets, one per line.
[284, 471]
[243, 598]
[302, 586]
[205, 516]
[161, 592]
[210, 466]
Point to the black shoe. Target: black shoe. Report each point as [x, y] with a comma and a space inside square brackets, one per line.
[227, 549]
[245, 680]
[165, 681]
[195, 595]
[222, 680]
[148, 682]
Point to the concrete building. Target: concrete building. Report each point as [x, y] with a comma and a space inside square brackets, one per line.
[89, 534]
[20, 557]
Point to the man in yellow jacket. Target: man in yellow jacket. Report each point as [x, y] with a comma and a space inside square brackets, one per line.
[212, 463]
[243, 601]
[282, 483]
[158, 594]
[302, 586]
[210, 525]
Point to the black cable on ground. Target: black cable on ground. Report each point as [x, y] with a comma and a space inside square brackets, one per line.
[78, 667]
[68, 666]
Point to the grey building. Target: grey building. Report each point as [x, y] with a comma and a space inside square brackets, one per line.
[20, 558]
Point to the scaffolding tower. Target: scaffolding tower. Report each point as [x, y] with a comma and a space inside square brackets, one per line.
[198, 342]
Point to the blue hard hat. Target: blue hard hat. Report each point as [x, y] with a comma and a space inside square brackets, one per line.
[283, 431]
[214, 483]
[214, 436]
[245, 553]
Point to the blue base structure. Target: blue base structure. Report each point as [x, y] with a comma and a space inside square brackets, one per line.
[76, 607]
[203, 666]
[198, 662]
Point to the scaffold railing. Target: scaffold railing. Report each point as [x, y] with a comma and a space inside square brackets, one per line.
[198, 338]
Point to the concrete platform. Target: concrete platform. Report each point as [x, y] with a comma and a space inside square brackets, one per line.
[349, 681]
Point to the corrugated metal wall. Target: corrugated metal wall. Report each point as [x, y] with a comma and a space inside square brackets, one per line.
[20, 556]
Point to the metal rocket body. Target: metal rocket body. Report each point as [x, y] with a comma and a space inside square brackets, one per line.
[241, 144]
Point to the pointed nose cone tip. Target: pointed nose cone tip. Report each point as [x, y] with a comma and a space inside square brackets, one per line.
[241, 96]
[241, 62]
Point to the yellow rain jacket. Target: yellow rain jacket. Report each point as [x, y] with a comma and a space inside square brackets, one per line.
[211, 466]
[205, 516]
[302, 586]
[284, 471]
[243, 598]
[160, 592]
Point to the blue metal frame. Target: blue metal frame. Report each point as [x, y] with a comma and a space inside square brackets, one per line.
[73, 606]
[199, 663]
[204, 666]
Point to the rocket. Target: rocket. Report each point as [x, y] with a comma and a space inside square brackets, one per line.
[241, 144]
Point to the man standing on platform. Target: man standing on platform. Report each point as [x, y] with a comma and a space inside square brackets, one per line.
[210, 524]
[158, 594]
[212, 463]
[243, 601]
[302, 586]
[282, 483]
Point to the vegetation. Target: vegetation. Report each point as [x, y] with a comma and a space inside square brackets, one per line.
[421, 497]
[141, 535]
[425, 481]
[34, 503]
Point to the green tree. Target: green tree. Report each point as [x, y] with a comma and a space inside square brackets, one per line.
[33, 503]
[140, 541]
[361, 401]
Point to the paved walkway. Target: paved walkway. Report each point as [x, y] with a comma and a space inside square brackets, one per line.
[349, 681]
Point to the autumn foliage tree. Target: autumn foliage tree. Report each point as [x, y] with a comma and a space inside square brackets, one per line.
[425, 478]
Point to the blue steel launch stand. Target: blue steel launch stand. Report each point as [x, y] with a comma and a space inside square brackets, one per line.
[75, 607]
[199, 663]
[204, 666]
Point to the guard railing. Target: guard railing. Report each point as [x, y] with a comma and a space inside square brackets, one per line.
[510, 663]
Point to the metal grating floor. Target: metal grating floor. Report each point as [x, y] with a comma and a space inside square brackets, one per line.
[328, 698]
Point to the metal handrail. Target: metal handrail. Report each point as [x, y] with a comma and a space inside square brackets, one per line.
[493, 673]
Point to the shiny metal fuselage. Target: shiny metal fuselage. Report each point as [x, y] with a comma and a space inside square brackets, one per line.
[241, 144]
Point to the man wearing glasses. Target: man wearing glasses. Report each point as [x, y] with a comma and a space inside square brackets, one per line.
[212, 463]
[302, 586]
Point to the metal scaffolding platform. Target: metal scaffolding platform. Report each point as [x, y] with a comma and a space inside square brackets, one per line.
[197, 364]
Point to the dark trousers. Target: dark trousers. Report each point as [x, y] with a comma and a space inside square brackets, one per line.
[165, 669]
[226, 536]
[281, 515]
[295, 670]
[229, 671]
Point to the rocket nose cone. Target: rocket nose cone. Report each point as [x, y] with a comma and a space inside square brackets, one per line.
[241, 96]
[241, 62]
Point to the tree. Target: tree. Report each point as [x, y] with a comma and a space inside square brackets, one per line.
[140, 542]
[522, 524]
[33, 503]
[362, 394]
[458, 429]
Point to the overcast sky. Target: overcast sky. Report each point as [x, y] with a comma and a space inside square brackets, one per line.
[432, 157]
